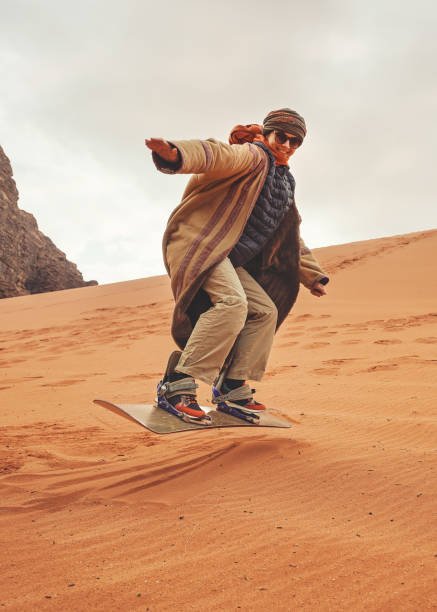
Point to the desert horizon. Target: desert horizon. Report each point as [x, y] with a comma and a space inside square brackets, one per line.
[336, 513]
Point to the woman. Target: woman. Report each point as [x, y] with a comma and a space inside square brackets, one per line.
[234, 255]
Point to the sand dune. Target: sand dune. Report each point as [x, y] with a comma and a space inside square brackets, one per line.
[337, 513]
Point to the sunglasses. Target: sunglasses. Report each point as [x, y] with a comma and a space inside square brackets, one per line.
[282, 138]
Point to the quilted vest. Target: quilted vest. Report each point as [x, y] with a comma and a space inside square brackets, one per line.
[275, 199]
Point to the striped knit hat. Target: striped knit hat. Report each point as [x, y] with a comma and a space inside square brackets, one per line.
[286, 120]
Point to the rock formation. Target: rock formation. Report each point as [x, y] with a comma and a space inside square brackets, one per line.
[29, 261]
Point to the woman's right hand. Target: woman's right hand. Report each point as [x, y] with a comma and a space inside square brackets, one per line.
[162, 148]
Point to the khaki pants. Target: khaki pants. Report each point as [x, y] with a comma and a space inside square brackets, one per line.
[241, 313]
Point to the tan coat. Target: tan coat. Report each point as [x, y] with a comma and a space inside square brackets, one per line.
[203, 229]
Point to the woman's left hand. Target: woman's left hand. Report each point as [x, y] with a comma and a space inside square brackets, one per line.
[318, 290]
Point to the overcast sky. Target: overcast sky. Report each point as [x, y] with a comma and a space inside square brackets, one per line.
[83, 83]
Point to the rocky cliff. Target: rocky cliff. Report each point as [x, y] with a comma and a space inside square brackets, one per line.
[29, 261]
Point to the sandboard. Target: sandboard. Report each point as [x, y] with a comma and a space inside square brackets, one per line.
[160, 421]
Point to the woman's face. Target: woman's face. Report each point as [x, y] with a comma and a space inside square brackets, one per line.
[282, 142]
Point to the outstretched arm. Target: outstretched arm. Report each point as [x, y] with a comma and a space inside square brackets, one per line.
[211, 157]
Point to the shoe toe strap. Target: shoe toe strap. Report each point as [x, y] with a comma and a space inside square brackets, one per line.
[178, 387]
[240, 393]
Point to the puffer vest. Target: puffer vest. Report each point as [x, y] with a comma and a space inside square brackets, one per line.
[275, 199]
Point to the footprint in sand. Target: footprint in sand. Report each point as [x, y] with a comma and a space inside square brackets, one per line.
[24, 334]
[287, 344]
[339, 362]
[326, 371]
[384, 341]
[139, 377]
[279, 370]
[303, 317]
[64, 383]
[13, 381]
[382, 367]
[316, 345]
[11, 362]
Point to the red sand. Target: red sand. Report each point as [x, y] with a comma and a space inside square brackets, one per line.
[337, 513]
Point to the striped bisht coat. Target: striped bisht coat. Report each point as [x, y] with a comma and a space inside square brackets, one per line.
[203, 229]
